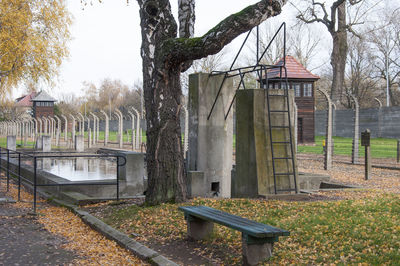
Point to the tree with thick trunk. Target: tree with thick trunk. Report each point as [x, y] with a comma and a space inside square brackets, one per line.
[165, 55]
[336, 22]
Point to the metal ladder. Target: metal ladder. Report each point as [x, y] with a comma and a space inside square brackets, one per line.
[290, 159]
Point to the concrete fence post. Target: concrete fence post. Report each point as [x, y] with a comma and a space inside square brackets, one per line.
[40, 126]
[138, 133]
[120, 128]
[95, 129]
[107, 127]
[65, 128]
[52, 126]
[132, 127]
[12, 143]
[89, 137]
[58, 131]
[328, 136]
[73, 130]
[379, 117]
[81, 124]
[89, 128]
[355, 152]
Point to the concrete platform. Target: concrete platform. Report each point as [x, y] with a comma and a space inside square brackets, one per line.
[311, 182]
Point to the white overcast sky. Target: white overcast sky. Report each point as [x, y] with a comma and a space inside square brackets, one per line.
[107, 38]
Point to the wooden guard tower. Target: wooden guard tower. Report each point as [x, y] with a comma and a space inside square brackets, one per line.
[302, 81]
[43, 105]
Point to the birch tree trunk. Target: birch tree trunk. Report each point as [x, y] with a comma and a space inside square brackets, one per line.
[165, 56]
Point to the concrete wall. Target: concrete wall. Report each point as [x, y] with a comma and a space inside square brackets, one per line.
[385, 124]
[210, 140]
[254, 167]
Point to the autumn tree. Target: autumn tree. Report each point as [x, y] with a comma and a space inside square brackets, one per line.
[33, 38]
[166, 52]
[338, 24]
[111, 94]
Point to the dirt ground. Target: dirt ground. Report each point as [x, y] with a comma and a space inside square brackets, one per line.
[387, 180]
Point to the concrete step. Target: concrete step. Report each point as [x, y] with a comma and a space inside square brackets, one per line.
[77, 198]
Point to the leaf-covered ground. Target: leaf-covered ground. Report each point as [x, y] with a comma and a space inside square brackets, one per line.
[332, 227]
[92, 247]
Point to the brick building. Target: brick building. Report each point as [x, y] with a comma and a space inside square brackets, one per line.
[24, 105]
[302, 81]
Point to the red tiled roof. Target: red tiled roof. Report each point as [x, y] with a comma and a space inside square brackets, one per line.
[295, 70]
[25, 101]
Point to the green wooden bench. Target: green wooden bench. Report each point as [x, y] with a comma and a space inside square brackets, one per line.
[257, 238]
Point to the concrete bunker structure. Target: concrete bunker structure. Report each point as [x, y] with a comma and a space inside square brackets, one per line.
[211, 172]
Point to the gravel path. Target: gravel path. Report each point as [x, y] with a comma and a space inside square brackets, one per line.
[383, 179]
[24, 241]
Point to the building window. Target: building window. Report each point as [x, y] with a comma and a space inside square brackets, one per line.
[307, 90]
[283, 85]
[270, 85]
[297, 91]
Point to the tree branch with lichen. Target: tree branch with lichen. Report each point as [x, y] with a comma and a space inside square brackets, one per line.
[179, 50]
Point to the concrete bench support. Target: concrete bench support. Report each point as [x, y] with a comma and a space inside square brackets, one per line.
[199, 229]
[257, 238]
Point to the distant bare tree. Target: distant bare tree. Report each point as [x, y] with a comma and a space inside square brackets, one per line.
[205, 65]
[359, 76]
[384, 38]
[338, 23]
[303, 44]
[69, 104]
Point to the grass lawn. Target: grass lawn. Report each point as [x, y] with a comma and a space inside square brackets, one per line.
[113, 137]
[350, 231]
[380, 147]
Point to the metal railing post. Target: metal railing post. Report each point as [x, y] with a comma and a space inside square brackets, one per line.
[34, 183]
[8, 169]
[1, 155]
[19, 176]
[118, 178]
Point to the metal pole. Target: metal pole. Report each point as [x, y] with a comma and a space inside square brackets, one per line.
[387, 80]
[19, 176]
[1, 155]
[117, 178]
[8, 169]
[34, 184]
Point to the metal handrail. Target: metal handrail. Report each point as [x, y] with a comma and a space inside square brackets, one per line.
[35, 157]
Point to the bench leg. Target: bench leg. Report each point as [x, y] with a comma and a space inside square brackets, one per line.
[198, 229]
[255, 251]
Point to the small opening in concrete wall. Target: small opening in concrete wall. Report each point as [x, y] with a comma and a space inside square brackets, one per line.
[215, 188]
